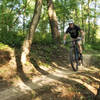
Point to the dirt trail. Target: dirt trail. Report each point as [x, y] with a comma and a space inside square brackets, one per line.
[24, 88]
[57, 82]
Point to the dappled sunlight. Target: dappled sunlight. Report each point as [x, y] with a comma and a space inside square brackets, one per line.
[25, 51]
[96, 79]
[92, 89]
[60, 74]
[64, 72]
[93, 68]
[48, 67]
[54, 64]
[56, 76]
[87, 80]
[53, 13]
[85, 76]
[15, 92]
[23, 87]
[34, 62]
[56, 70]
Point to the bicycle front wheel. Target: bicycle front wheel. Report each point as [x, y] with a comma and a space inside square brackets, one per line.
[74, 59]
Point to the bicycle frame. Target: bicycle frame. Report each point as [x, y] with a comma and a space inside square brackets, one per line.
[74, 52]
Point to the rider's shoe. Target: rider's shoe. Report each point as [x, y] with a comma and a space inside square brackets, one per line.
[80, 56]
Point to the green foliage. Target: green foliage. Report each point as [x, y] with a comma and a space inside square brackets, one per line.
[16, 15]
[11, 38]
[3, 46]
[42, 38]
[92, 48]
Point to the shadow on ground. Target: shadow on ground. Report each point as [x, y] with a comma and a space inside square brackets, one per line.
[4, 84]
[62, 88]
[48, 93]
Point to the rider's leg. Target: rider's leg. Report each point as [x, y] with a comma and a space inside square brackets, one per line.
[80, 51]
[80, 47]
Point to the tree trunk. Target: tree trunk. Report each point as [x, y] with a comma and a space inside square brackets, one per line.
[94, 24]
[75, 18]
[53, 20]
[88, 21]
[82, 9]
[28, 40]
[24, 15]
[63, 25]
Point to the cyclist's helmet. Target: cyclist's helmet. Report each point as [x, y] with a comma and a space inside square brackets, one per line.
[71, 21]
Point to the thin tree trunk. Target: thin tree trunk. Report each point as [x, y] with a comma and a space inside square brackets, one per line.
[24, 15]
[76, 16]
[23, 23]
[28, 40]
[63, 25]
[94, 26]
[82, 9]
[53, 20]
[88, 21]
[95, 13]
[2, 23]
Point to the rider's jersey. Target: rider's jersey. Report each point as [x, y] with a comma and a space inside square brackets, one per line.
[74, 32]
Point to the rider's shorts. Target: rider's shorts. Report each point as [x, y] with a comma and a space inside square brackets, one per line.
[79, 42]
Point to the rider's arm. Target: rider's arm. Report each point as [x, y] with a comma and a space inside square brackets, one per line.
[82, 33]
[65, 35]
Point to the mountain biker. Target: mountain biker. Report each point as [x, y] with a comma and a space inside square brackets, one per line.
[74, 31]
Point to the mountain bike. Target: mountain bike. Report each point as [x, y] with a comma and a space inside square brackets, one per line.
[75, 58]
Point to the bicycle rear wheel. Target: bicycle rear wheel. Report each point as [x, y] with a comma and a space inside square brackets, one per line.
[74, 59]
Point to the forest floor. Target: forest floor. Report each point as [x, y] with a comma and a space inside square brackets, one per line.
[47, 75]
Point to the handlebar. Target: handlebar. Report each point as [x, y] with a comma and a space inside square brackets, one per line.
[75, 40]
